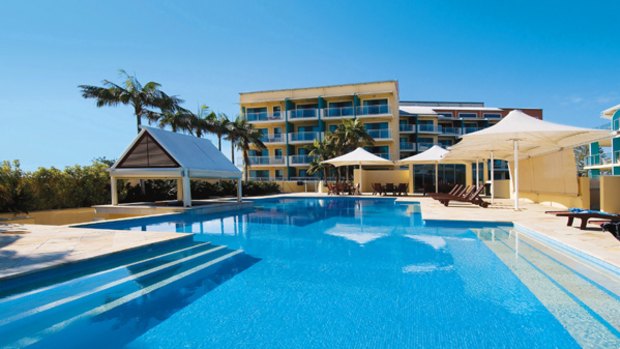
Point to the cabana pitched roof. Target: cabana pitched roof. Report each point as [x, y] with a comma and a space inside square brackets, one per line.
[159, 153]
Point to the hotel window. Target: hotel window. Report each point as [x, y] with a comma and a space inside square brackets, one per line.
[375, 106]
[279, 174]
[256, 114]
[492, 115]
[340, 109]
[303, 173]
[276, 112]
[468, 115]
[445, 114]
[278, 153]
[305, 110]
[445, 143]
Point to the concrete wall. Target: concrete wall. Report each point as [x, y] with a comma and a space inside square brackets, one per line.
[581, 200]
[502, 188]
[53, 217]
[610, 194]
[292, 187]
[382, 176]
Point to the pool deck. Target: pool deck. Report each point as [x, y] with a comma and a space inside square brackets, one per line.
[36, 247]
[44, 246]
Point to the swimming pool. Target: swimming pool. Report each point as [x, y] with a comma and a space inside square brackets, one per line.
[321, 273]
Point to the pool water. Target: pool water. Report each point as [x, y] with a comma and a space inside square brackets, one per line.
[321, 273]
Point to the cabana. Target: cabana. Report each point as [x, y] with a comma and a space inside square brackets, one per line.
[160, 154]
[432, 155]
[358, 157]
[519, 136]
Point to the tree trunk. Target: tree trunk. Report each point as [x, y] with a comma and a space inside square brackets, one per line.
[232, 153]
[219, 142]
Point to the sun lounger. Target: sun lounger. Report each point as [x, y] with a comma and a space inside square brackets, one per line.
[463, 193]
[402, 189]
[586, 215]
[377, 189]
[473, 197]
[389, 188]
[613, 228]
[454, 191]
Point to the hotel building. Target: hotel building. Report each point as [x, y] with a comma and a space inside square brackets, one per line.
[604, 158]
[291, 119]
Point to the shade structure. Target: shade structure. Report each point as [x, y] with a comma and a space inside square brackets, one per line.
[358, 157]
[432, 155]
[518, 136]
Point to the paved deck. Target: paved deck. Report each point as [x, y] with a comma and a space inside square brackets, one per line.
[42, 246]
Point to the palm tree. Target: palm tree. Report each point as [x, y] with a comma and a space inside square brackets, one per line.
[243, 135]
[350, 135]
[179, 119]
[201, 122]
[141, 97]
[321, 151]
[221, 127]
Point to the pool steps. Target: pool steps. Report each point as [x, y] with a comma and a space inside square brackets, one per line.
[97, 293]
[589, 312]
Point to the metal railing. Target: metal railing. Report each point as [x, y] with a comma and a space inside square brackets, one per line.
[603, 159]
[303, 136]
[451, 130]
[467, 130]
[380, 133]
[407, 128]
[338, 112]
[425, 146]
[300, 159]
[373, 110]
[429, 128]
[263, 116]
[266, 160]
[276, 138]
[303, 113]
[407, 146]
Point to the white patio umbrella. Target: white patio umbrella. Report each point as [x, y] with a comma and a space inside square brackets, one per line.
[430, 156]
[359, 157]
[519, 135]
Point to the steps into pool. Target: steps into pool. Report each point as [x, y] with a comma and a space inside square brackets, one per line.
[32, 315]
[585, 308]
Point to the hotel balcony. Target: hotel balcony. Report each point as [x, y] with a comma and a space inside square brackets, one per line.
[300, 160]
[423, 128]
[273, 139]
[303, 137]
[424, 146]
[266, 161]
[467, 130]
[338, 113]
[380, 134]
[601, 161]
[303, 114]
[450, 131]
[387, 156]
[407, 146]
[374, 111]
[407, 128]
[264, 117]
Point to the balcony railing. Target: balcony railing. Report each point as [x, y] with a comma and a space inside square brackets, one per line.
[384, 155]
[338, 112]
[467, 130]
[407, 146]
[407, 128]
[380, 133]
[300, 159]
[450, 130]
[427, 128]
[603, 159]
[303, 136]
[276, 138]
[266, 160]
[380, 109]
[264, 116]
[425, 146]
[616, 125]
[303, 113]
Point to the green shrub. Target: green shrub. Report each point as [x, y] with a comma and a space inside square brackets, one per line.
[15, 192]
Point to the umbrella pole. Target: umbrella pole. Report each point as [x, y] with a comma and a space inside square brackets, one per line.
[492, 178]
[516, 176]
[361, 178]
[477, 174]
[436, 177]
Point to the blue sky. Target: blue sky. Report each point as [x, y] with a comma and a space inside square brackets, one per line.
[561, 56]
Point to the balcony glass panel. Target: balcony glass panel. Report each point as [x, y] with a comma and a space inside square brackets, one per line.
[266, 160]
[303, 136]
[338, 112]
[407, 128]
[303, 113]
[380, 133]
[373, 109]
[407, 146]
[301, 159]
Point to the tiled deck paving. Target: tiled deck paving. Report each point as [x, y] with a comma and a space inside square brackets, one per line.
[43, 246]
